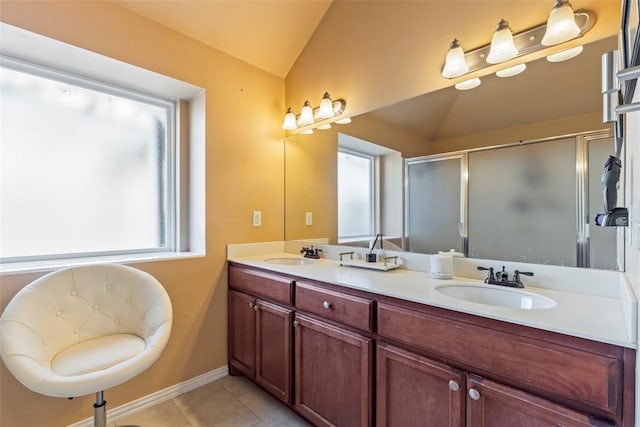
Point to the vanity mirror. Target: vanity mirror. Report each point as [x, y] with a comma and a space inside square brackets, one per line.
[550, 104]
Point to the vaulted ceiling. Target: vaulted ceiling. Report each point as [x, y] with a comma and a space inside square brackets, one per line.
[269, 34]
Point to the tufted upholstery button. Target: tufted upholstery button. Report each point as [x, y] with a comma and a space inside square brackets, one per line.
[117, 321]
[74, 293]
[95, 306]
[153, 331]
[58, 314]
[75, 331]
[44, 342]
[109, 287]
[128, 300]
[144, 317]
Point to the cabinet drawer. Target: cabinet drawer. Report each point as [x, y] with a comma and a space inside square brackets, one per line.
[563, 373]
[348, 309]
[269, 286]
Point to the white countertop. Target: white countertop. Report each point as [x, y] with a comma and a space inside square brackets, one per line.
[595, 317]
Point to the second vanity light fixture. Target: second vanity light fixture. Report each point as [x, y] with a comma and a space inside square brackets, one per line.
[320, 117]
[563, 25]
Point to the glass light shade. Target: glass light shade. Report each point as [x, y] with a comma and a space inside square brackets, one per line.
[289, 121]
[455, 65]
[512, 71]
[565, 54]
[468, 84]
[306, 115]
[561, 25]
[307, 132]
[343, 121]
[502, 46]
[325, 126]
[326, 107]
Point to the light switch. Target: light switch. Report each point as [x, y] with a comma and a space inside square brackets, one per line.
[257, 218]
[308, 218]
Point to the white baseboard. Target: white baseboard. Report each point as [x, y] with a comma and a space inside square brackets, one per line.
[157, 397]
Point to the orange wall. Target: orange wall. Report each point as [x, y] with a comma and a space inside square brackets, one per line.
[237, 182]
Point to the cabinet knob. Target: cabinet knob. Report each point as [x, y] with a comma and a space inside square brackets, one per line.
[255, 307]
[474, 394]
[250, 304]
[454, 386]
[295, 323]
[326, 305]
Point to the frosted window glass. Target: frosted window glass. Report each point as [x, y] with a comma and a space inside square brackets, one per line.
[355, 195]
[522, 203]
[433, 206]
[81, 171]
[602, 241]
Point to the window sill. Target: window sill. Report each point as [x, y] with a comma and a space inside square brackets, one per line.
[56, 264]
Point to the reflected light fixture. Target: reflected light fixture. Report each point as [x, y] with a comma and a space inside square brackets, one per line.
[306, 115]
[468, 84]
[561, 25]
[512, 71]
[320, 117]
[565, 54]
[502, 46]
[505, 45]
[455, 65]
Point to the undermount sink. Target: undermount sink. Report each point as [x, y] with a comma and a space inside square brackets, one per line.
[289, 261]
[496, 296]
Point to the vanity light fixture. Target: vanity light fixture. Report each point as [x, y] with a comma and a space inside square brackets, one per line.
[502, 47]
[561, 25]
[320, 117]
[455, 65]
[505, 46]
[344, 121]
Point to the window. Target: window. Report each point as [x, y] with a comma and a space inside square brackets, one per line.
[99, 160]
[356, 200]
[84, 169]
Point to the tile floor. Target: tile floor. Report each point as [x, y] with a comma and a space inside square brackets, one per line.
[229, 401]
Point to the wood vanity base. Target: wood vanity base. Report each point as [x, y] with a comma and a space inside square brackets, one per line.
[343, 357]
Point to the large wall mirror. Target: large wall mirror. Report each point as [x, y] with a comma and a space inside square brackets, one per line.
[452, 154]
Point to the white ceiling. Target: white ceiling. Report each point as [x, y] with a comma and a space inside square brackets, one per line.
[269, 34]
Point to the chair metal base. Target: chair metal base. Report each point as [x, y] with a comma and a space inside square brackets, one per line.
[100, 411]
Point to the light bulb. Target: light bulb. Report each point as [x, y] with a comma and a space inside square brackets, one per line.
[325, 126]
[343, 121]
[306, 115]
[289, 120]
[561, 25]
[326, 107]
[307, 132]
[455, 65]
[502, 47]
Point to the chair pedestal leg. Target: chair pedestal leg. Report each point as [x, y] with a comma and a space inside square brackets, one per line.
[100, 411]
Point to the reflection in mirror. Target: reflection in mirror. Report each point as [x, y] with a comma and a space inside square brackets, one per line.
[547, 101]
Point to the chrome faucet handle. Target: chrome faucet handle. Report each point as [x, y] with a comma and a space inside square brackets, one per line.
[517, 273]
[490, 276]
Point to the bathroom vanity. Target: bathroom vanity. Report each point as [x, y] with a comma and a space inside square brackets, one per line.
[347, 355]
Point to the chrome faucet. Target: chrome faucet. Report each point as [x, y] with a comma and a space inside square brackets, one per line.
[311, 252]
[502, 277]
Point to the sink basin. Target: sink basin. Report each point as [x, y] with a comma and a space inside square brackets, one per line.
[289, 261]
[496, 296]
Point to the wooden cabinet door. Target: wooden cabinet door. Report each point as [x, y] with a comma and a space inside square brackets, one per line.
[415, 391]
[333, 371]
[242, 333]
[273, 349]
[490, 404]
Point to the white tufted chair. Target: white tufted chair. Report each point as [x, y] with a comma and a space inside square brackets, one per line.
[82, 330]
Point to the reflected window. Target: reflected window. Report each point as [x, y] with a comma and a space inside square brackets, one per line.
[85, 168]
[356, 200]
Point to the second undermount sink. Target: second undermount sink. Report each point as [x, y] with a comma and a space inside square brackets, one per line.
[496, 296]
[289, 261]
